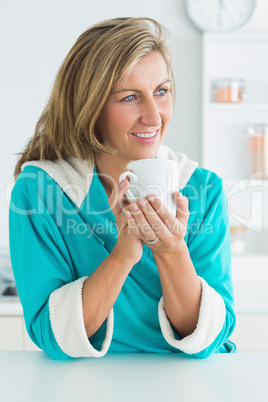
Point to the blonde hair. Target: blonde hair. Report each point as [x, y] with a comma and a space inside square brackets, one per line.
[99, 58]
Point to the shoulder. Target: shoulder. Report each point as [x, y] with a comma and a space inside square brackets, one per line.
[70, 176]
[34, 189]
[205, 178]
[191, 176]
[204, 186]
[31, 180]
[206, 194]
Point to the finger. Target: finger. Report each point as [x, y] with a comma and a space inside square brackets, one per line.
[182, 202]
[149, 229]
[117, 199]
[131, 223]
[165, 216]
[121, 223]
[155, 221]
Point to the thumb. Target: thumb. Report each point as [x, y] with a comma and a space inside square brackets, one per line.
[182, 206]
[116, 198]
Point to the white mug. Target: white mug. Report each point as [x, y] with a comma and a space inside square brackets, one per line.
[153, 176]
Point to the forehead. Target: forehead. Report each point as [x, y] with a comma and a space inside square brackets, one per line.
[151, 70]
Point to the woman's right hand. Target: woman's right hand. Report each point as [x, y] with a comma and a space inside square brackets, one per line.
[129, 244]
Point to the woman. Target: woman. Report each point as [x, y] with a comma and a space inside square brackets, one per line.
[94, 272]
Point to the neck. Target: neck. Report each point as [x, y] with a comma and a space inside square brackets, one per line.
[109, 169]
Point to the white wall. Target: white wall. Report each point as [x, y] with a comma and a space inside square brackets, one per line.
[35, 36]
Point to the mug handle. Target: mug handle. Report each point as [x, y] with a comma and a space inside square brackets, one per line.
[132, 178]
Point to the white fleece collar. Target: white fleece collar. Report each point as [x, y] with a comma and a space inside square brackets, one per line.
[186, 166]
[74, 176]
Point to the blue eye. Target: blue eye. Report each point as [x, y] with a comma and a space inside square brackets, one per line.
[162, 91]
[129, 98]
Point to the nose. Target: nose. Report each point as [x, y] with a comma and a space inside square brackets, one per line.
[150, 114]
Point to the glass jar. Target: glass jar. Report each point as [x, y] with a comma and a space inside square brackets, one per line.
[238, 244]
[228, 90]
[258, 148]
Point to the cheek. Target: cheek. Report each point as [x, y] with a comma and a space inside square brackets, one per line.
[167, 110]
[120, 118]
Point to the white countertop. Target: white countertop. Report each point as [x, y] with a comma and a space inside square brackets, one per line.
[250, 279]
[32, 376]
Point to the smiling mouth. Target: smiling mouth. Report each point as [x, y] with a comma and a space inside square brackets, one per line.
[145, 135]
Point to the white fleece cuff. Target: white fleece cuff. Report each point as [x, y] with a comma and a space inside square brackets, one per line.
[210, 322]
[66, 317]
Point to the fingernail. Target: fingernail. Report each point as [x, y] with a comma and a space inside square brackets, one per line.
[123, 184]
[128, 214]
[151, 198]
[134, 207]
[142, 202]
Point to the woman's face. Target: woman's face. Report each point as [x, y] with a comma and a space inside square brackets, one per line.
[136, 115]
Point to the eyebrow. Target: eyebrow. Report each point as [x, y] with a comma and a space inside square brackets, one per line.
[137, 90]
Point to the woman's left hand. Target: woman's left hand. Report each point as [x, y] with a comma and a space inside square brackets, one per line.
[154, 220]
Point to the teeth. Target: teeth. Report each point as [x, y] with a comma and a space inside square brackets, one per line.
[145, 135]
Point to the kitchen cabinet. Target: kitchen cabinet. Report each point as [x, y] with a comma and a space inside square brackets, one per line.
[13, 334]
[226, 151]
[225, 143]
[27, 342]
[250, 334]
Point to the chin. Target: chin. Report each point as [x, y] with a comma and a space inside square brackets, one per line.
[147, 155]
[146, 152]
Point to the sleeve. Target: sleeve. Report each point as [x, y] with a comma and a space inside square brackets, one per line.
[209, 247]
[50, 294]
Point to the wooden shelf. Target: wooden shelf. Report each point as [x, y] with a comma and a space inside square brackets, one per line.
[231, 107]
[225, 144]
[239, 183]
